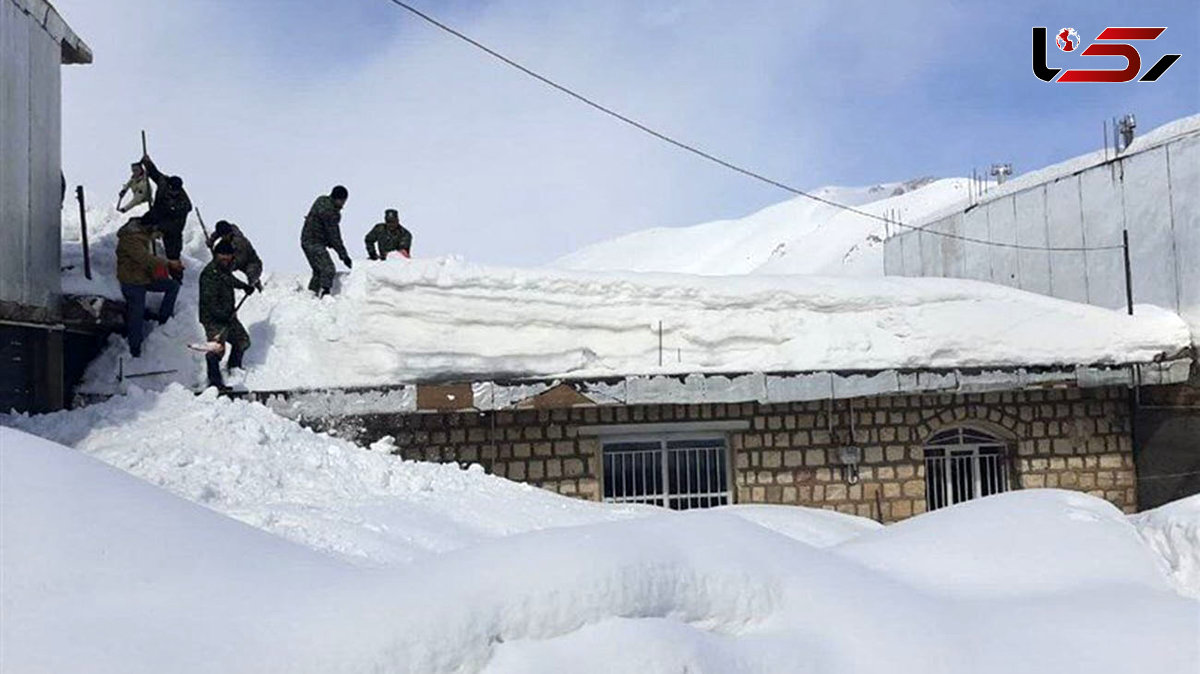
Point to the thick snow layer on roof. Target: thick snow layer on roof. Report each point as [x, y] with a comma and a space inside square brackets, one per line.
[400, 321]
[105, 573]
[798, 236]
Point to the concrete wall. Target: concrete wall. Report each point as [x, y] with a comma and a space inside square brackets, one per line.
[30, 177]
[1069, 438]
[1154, 193]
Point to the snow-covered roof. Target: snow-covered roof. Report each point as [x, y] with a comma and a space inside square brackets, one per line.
[74, 49]
[402, 322]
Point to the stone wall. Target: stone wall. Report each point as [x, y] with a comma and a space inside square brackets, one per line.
[788, 454]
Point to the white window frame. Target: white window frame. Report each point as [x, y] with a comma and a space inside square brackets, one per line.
[964, 463]
[690, 487]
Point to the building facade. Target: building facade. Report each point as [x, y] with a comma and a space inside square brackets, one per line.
[34, 43]
[886, 457]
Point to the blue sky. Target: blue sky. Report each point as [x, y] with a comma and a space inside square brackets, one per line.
[263, 105]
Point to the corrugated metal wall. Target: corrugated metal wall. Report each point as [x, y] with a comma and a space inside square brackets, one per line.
[1154, 193]
[30, 178]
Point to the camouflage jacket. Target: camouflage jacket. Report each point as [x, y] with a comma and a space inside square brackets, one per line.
[244, 254]
[171, 205]
[322, 226]
[136, 265]
[216, 296]
[389, 237]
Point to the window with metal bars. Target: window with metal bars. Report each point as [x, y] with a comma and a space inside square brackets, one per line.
[962, 464]
[674, 472]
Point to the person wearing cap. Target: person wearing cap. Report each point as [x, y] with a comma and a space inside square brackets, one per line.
[245, 258]
[389, 236]
[168, 213]
[218, 312]
[140, 272]
[322, 231]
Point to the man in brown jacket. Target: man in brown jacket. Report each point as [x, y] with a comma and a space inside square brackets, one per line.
[140, 272]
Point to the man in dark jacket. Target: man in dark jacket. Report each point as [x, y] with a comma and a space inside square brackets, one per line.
[169, 212]
[140, 272]
[322, 230]
[389, 236]
[218, 313]
[245, 258]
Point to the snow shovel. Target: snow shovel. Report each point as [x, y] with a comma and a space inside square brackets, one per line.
[214, 347]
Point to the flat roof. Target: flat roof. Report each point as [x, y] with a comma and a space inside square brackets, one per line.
[74, 49]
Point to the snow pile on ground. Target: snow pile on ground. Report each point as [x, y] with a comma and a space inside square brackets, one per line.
[401, 321]
[799, 236]
[241, 459]
[1173, 530]
[105, 573]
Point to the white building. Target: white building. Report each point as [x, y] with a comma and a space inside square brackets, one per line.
[34, 43]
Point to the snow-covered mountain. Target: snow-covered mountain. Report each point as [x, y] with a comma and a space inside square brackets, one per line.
[798, 236]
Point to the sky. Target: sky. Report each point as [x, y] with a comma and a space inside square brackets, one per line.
[262, 106]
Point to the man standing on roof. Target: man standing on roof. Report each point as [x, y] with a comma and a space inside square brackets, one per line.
[245, 258]
[322, 230]
[168, 213]
[140, 272]
[218, 313]
[390, 236]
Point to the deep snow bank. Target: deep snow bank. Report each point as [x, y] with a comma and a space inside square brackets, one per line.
[241, 459]
[103, 573]
[399, 321]
[798, 236]
[1173, 530]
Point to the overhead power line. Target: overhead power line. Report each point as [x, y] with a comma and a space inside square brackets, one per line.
[707, 155]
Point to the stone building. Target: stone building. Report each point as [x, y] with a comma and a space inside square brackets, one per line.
[885, 445]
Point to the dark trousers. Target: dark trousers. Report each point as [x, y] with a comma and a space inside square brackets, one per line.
[323, 270]
[236, 341]
[172, 237]
[135, 309]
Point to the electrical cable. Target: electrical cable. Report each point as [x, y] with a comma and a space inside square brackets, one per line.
[711, 157]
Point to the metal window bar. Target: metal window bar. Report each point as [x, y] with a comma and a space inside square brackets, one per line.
[963, 464]
[674, 473]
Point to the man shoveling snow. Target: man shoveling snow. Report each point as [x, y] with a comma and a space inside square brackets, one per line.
[218, 313]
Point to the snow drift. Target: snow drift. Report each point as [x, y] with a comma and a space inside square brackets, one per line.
[798, 236]
[1173, 530]
[329, 494]
[105, 573]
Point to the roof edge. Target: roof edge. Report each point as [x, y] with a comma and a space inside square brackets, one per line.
[74, 49]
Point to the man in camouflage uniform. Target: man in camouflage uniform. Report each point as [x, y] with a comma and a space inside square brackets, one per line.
[245, 258]
[139, 273]
[322, 230]
[390, 236]
[169, 212]
[139, 185]
[218, 313]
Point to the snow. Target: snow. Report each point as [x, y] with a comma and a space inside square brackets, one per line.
[1048, 174]
[106, 573]
[1173, 530]
[323, 492]
[799, 236]
[399, 322]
